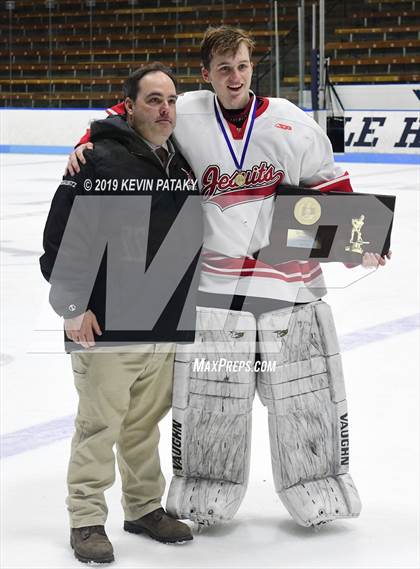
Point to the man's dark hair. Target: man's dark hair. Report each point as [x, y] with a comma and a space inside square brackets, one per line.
[131, 85]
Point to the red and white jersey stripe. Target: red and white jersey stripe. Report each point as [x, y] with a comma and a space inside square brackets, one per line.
[248, 276]
[339, 184]
[116, 110]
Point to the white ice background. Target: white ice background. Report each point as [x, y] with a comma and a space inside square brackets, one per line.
[374, 318]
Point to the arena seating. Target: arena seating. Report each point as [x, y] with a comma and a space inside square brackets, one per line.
[72, 53]
[382, 44]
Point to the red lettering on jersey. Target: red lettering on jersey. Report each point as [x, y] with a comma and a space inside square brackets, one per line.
[223, 190]
[283, 126]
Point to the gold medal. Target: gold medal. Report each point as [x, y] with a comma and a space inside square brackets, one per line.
[240, 179]
[307, 211]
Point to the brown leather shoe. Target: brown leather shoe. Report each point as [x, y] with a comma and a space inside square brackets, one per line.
[91, 544]
[158, 525]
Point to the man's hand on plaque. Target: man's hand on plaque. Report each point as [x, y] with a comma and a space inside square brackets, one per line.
[374, 260]
[73, 167]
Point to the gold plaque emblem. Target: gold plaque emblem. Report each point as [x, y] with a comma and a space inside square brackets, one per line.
[307, 211]
[240, 179]
[356, 239]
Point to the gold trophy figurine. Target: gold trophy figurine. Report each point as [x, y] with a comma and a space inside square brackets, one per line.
[356, 239]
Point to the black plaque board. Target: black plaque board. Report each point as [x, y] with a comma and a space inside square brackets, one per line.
[328, 226]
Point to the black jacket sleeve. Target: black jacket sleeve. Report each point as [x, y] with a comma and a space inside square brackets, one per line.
[65, 262]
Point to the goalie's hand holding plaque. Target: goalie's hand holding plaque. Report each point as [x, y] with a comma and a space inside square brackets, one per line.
[350, 228]
[374, 260]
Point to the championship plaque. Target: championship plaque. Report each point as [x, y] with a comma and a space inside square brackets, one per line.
[328, 226]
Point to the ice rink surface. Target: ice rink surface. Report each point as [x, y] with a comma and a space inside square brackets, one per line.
[377, 322]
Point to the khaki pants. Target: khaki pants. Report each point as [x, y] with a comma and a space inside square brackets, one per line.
[122, 397]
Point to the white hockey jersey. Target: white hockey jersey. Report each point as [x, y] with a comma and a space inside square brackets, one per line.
[285, 145]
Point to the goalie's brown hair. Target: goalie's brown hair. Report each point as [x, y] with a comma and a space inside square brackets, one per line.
[223, 39]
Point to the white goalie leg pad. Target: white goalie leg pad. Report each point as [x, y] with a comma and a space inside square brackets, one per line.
[307, 413]
[212, 405]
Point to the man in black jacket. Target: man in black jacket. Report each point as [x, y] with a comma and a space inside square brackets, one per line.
[124, 217]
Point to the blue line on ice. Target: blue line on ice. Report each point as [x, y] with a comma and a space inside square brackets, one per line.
[379, 332]
[62, 428]
[348, 156]
[36, 436]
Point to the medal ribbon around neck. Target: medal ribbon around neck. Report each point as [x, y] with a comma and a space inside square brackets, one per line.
[248, 131]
